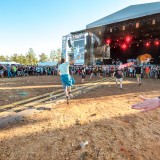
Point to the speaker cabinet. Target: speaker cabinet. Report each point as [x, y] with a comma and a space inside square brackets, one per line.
[107, 61]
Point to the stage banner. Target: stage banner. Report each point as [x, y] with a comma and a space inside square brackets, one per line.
[79, 49]
[64, 46]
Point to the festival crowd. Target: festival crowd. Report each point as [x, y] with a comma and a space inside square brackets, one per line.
[148, 71]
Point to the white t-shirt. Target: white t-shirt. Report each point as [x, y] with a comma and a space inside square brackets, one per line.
[64, 68]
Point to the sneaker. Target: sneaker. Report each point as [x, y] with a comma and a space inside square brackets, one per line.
[67, 99]
[70, 95]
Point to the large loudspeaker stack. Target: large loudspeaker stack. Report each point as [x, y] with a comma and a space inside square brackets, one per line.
[107, 61]
[69, 43]
[88, 42]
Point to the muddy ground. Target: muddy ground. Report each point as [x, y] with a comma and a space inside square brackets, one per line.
[102, 117]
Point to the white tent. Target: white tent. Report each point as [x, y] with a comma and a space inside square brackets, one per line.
[47, 63]
[10, 63]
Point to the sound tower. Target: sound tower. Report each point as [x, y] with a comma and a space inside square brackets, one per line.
[88, 42]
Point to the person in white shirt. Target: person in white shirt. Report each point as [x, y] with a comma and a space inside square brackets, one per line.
[66, 79]
[119, 76]
[104, 69]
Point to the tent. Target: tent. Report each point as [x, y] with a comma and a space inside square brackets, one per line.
[47, 63]
[10, 63]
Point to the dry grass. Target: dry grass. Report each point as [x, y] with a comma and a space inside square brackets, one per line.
[103, 117]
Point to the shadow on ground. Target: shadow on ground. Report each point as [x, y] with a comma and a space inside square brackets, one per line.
[132, 136]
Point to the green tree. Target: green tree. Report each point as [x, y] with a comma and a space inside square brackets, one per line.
[2, 58]
[18, 58]
[59, 53]
[31, 57]
[22, 59]
[52, 55]
[7, 58]
[55, 55]
[43, 57]
[15, 58]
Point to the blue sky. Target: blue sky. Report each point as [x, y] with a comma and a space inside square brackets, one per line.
[40, 24]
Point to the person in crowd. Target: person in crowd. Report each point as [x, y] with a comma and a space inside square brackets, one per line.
[104, 70]
[112, 69]
[125, 71]
[25, 71]
[99, 71]
[66, 79]
[2, 69]
[9, 74]
[147, 104]
[158, 71]
[138, 72]
[72, 71]
[83, 74]
[95, 72]
[48, 70]
[41, 71]
[130, 71]
[14, 70]
[147, 71]
[119, 76]
[20, 71]
[38, 70]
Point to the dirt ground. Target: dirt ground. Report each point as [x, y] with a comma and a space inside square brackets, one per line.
[102, 117]
[16, 89]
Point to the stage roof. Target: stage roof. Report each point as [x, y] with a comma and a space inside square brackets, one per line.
[130, 12]
[80, 31]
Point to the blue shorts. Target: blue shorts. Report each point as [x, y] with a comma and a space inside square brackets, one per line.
[67, 80]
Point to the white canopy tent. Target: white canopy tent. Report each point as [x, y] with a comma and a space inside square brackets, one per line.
[47, 63]
[10, 63]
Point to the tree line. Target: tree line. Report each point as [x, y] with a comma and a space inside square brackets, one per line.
[30, 57]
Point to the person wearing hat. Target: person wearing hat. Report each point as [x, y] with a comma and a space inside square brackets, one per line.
[2, 69]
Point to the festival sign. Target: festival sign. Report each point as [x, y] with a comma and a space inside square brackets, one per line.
[79, 49]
